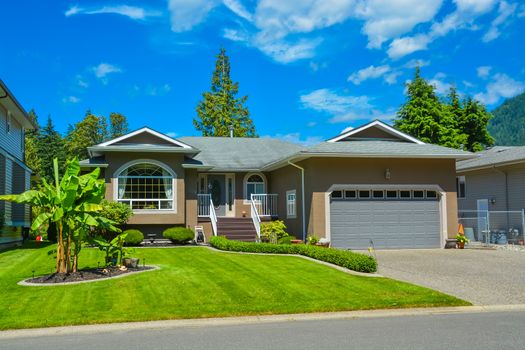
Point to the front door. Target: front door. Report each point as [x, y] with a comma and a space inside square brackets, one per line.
[221, 187]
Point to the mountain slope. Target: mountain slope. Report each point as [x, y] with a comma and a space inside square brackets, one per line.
[508, 125]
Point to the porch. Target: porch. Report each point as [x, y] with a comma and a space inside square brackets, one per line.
[247, 225]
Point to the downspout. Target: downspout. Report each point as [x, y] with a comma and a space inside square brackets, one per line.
[302, 198]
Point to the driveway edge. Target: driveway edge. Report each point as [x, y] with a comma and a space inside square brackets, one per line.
[243, 320]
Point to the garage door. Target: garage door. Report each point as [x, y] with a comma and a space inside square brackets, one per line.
[388, 218]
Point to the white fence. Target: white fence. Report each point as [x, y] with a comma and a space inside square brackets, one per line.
[493, 227]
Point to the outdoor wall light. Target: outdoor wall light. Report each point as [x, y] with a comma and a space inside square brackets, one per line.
[387, 174]
[493, 200]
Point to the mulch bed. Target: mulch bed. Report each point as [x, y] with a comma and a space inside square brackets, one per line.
[85, 275]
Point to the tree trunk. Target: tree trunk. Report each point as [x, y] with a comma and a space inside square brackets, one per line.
[61, 262]
[75, 261]
[68, 253]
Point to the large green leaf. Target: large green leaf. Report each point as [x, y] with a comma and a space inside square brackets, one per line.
[40, 220]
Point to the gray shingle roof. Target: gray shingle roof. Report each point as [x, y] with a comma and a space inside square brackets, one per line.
[239, 153]
[387, 149]
[493, 156]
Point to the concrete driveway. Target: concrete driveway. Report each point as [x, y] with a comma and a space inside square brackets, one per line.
[483, 277]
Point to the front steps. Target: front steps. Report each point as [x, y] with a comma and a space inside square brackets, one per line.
[239, 229]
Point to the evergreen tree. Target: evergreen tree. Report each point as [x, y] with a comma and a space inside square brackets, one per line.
[118, 125]
[220, 109]
[50, 145]
[31, 143]
[474, 124]
[90, 131]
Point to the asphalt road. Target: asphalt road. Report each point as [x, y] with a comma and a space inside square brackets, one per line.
[492, 330]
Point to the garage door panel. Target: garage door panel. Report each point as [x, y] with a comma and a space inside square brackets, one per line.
[389, 224]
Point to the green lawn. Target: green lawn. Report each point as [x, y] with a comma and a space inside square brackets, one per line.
[194, 282]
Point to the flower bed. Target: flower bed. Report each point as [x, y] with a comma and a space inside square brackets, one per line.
[344, 258]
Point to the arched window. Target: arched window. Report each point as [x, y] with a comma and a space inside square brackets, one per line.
[254, 184]
[146, 186]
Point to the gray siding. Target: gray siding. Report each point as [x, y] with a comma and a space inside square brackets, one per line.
[516, 183]
[19, 186]
[484, 184]
[11, 141]
[8, 189]
[2, 186]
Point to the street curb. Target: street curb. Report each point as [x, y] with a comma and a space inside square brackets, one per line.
[232, 321]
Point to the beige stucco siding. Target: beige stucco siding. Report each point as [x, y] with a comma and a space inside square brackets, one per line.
[117, 159]
[321, 173]
[282, 180]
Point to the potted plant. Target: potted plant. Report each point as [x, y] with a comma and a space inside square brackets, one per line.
[313, 240]
[461, 240]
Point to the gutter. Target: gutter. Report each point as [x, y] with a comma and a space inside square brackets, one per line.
[303, 214]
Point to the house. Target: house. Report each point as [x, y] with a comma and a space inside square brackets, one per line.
[369, 185]
[491, 191]
[14, 174]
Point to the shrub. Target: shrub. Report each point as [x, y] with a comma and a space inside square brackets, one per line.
[273, 231]
[285, 240]
[117, 212]
[134, 237]
[344, 258]
[312, 240]
[179, 235]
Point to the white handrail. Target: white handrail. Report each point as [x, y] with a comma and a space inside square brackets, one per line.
[203, 204]
[213, 218]
[256, 219]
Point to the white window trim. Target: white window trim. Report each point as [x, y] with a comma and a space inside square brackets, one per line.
[294, 214]
[458, 181]
[114, 182]
[245, 186]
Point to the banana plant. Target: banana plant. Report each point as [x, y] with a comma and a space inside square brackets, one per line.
[72, 203]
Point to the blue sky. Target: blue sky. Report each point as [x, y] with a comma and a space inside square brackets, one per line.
[310, 68]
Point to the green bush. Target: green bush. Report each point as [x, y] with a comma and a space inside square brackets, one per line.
[285, 240]
[179, 235]
[273, 231]
[134, 237]
[344, 258]
[117, 212]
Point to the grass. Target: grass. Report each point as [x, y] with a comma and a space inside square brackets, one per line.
[192, 283]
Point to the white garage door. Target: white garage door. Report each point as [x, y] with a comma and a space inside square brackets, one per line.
[385, 218]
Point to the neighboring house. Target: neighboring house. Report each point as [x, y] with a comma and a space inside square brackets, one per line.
[14, 174]
[370, 183]
[494, 182]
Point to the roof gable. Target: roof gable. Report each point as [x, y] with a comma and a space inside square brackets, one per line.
[375, 131]
[145, 136]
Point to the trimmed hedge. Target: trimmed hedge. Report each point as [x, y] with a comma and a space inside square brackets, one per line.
[344, 258]
[134, 237]
[179, 235]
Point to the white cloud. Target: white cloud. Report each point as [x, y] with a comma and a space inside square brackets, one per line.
[133, 12]
[238, 8]
[371, 72]
[186, 14]
[462, 18]
[171, 134]
[387, 19]
[158, 90]
[483, 71]
[81, 81]
[391, 78]
[404, 46]
[501, 86]
[103, 69]
[413, 63]
[71, 99]
[505, 10]
[311, 124]
[297, 138]
[316, 66]
[442, 87]
[341, 107]
[468, 84]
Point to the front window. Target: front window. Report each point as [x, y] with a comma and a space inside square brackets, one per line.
[460, 186]
[254, 185]
[291, 207]
[146, 186]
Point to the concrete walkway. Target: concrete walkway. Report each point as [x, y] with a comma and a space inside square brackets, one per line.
[483, 277]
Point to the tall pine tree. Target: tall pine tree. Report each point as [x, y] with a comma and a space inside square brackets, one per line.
[220, 109]
[50, 145]
[32, 159]
[474, 124]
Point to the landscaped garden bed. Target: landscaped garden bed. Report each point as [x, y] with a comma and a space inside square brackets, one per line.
[86, 275]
